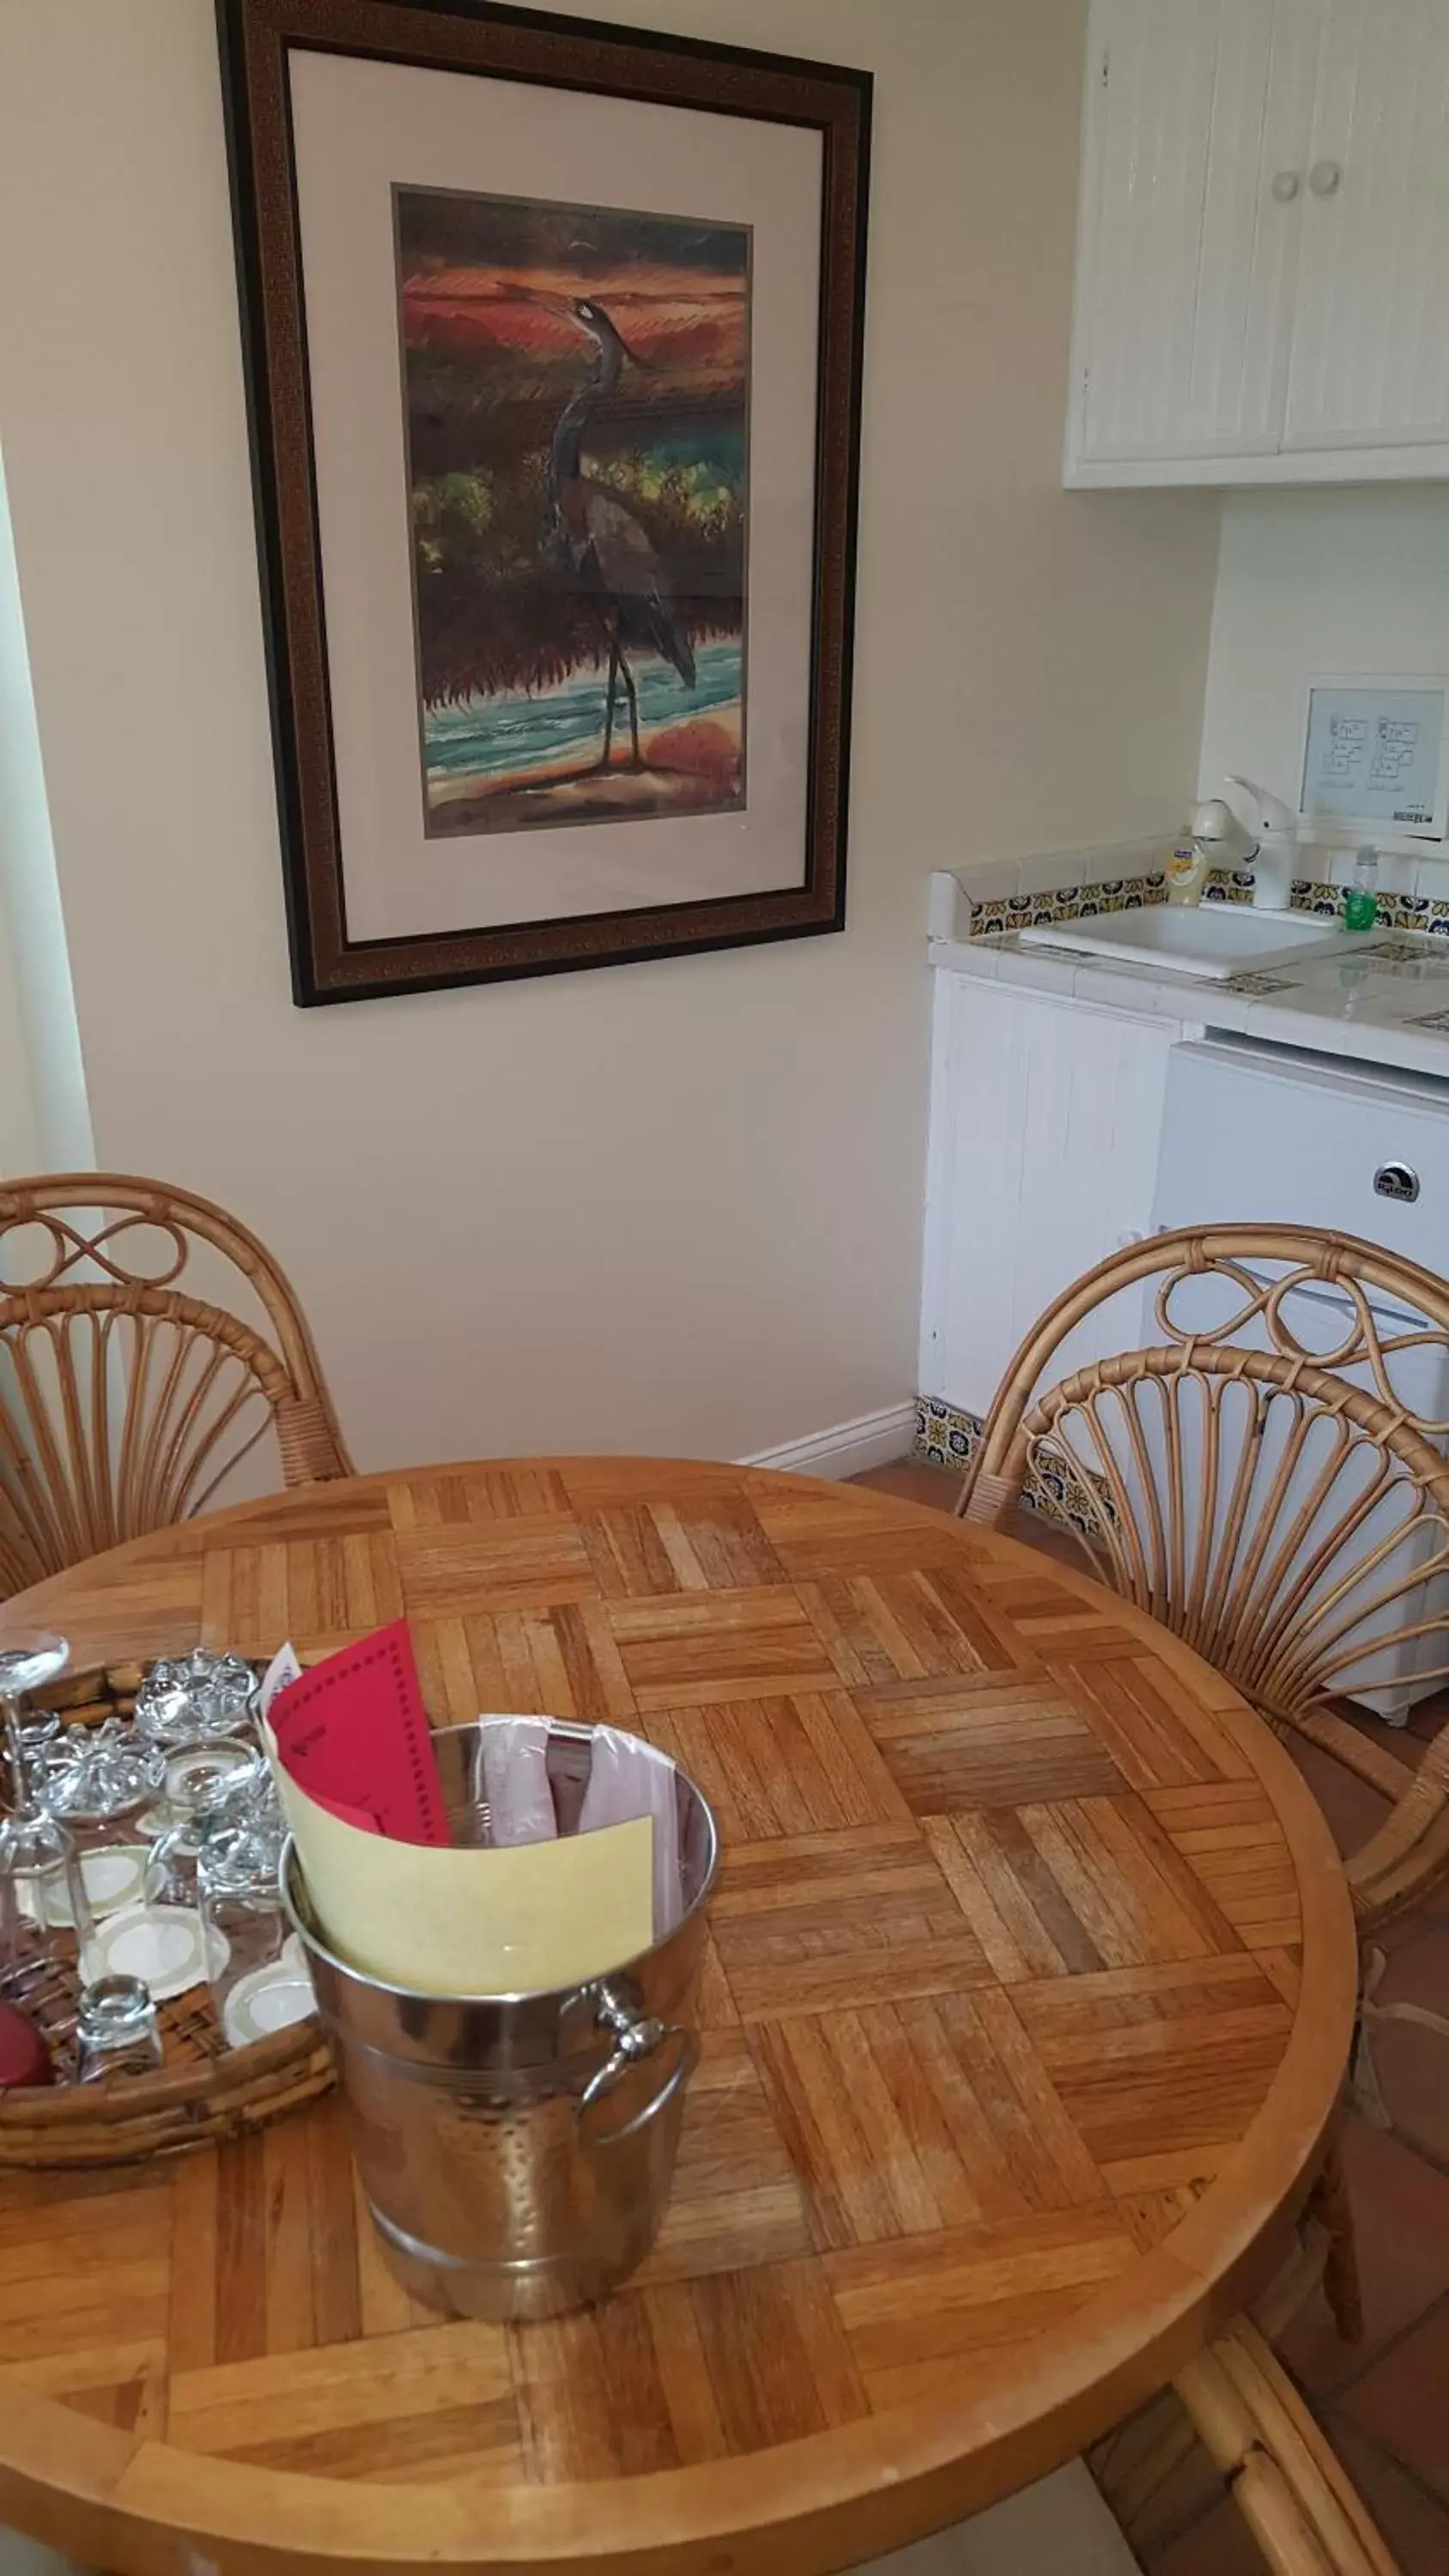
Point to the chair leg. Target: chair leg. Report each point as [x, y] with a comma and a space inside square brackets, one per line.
[1365, 2089]
[1333, 2209]
[1291, 2490]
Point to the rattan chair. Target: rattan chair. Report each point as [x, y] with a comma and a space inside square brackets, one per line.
[126, 1400]
[1272, 1496]
[1288, 1522]
[1263, 2450]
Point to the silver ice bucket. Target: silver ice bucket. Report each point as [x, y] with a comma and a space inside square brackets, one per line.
[516, 2151]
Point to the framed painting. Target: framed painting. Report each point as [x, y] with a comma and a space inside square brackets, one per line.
[553, 338]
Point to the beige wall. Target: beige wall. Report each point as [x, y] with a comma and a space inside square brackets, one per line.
[672, 1205]
[44, 1112]
[1313, 584]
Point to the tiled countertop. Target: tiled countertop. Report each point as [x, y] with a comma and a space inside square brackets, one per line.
[1386, 1004]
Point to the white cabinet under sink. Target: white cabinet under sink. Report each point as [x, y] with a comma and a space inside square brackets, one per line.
[1263, 250]
[1045, 1122]
[1061, 1131]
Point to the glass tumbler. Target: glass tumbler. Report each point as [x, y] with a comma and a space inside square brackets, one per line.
[201, 1783]
[38, 1857]
[48, 1890]
[237, 1889]
[101, 1795]
[116, 2029]
[37, 1742]
[196, 1697]
[26, 1666]
[111, 1773]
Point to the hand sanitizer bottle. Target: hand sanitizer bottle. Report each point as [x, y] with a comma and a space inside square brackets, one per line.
[1186, 871]
[1361, 899]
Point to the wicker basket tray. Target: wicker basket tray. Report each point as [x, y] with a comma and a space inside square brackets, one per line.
[206, 2091]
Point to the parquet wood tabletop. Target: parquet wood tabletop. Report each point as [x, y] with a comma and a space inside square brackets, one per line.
[1026, 2006]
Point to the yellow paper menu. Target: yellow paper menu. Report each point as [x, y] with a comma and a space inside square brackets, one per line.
[444, 1921]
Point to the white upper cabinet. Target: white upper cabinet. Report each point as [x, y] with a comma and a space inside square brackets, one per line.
[1197, 134]
[1370, 350]
[1263, 277]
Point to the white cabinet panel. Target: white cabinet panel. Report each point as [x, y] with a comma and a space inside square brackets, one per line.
[1263, 263]
[1045, 1121]
[1370, 357]
[1198, 124]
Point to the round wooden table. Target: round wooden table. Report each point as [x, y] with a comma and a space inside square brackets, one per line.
[1026, 2007]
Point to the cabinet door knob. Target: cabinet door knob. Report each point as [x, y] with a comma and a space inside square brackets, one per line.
[1286, 185]
[1324, 177]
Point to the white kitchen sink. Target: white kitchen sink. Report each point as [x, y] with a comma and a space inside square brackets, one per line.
[1210, 940]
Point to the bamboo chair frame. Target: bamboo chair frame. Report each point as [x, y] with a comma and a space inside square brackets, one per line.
[1260, 1604]
[1264, 2450]
[125, 1401]
[1247, 1577]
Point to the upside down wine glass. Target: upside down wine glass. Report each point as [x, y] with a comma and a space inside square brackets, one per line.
[26, 1665]
[38, 1858]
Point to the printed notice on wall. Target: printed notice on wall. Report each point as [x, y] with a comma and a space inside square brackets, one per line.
[1376, 756]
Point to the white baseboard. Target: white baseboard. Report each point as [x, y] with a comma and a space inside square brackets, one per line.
[846, 1448]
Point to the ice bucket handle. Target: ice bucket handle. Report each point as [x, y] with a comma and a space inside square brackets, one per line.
[636, 2036]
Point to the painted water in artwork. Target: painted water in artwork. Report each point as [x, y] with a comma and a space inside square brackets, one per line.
[577, 388]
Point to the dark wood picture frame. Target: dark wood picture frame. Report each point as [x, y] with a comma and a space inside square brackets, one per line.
[539, 49]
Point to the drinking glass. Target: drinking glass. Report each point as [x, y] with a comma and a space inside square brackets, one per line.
[198, 1777]
[116, 2029]
[237, 1873]
[26, 1665]
[200, 1782]
[37, 1855]
[40, 1860]
[99, 1794]
[196, 1698]
[109, 1777]
[38, 1738]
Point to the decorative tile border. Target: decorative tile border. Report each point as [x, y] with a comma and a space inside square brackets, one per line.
[1315, 894]
[1426, 914]
[946, 1436]
[1415, 912]
[1066, 903]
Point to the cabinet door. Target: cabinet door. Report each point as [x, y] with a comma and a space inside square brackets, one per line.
[1193, 200]
[1370, 355]
[1045, 1121]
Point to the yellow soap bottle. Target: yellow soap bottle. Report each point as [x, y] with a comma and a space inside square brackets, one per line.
[1187, 871]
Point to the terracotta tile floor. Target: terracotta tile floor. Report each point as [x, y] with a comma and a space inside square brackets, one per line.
[1384, 2402]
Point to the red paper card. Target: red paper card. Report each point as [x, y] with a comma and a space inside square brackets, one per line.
[354, 1734]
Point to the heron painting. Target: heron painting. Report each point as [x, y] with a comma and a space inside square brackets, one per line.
[577, 392]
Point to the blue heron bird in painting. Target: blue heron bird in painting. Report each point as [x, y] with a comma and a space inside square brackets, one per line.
[611, 555]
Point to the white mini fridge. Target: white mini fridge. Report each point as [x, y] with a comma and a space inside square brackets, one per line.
[1281, 1137]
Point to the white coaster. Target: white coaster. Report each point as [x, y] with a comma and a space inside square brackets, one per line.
[114, 1876]
[163, 1944]
[269, 1999]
